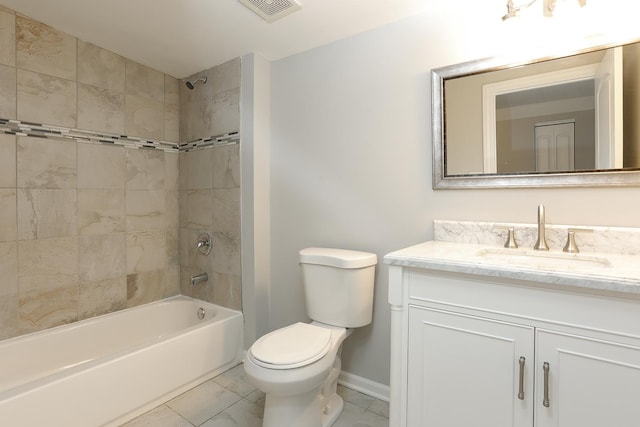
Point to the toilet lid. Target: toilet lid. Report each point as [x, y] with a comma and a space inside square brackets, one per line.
[293, 346]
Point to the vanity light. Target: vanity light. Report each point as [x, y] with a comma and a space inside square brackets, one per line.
[548, 8]
[513, 10]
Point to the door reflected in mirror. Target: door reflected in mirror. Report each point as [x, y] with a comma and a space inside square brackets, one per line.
[567, 115]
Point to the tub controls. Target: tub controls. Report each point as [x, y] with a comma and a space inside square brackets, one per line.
[204, 244]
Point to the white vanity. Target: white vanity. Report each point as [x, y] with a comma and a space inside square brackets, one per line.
[486, 336]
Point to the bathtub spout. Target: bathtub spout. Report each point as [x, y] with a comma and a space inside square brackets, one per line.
[198, 278]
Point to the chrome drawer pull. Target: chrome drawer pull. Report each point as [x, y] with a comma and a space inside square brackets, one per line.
[521, 386]
[545, 368]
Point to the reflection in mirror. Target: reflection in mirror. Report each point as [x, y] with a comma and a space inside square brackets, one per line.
[567, 116]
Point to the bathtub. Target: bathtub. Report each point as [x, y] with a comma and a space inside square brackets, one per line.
[109, 369]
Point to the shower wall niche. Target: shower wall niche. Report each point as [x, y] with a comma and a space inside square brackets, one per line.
[210, 184]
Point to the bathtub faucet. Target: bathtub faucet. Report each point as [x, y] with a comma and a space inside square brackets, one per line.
[198, 278]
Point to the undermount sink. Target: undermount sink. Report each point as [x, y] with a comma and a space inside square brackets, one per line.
[542, 259]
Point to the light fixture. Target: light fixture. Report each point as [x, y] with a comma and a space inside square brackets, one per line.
[548, 7]
[513, 10]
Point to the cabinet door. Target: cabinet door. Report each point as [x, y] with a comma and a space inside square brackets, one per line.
[465, 371]
[591, 383]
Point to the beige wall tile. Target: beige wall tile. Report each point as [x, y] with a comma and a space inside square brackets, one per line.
[198, 214]
[46, 99]
[145, 287]
[100, 212]
[212, 109]
[226, 210]
[145, 210]
[172, 210]
[227, 290]
[101, 257]
[8, 270]
[8, 92]
[222, 113]
[38, 310]
[226, 256]
[7, 160]
[46, 163]
[9, 316]
[44, 49]
[7, 38]
[8, 215]
[146, 251]
[46, 213]
[100, 110]
[172, 281]
[199, 169]
[182, 170]
[145, 169]
[100, 67]
[173, 247]
[226, 166]
[47, 264]
[144, 101]
[171, 109]
[101, 166]
[171, 171]
[102, 297]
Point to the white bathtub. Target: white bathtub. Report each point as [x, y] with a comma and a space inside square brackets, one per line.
[109, 369]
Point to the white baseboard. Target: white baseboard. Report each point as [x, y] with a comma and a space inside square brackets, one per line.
[363, 385]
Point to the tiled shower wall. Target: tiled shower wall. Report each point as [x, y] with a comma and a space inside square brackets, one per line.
[210, 186]
[85, 228]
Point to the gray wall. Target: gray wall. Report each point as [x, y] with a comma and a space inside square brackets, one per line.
[351, 156]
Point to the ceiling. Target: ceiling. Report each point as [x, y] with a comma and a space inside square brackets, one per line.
[182, 37]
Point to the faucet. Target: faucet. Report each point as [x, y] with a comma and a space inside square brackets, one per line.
[541, 244]
[198, 278]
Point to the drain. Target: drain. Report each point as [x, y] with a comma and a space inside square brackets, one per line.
[201, 313]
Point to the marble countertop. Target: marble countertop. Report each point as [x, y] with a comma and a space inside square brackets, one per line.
[593, 270]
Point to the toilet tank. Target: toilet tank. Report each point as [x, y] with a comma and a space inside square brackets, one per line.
[338, 285]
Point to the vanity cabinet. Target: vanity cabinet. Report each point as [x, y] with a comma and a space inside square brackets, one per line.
[469, 350]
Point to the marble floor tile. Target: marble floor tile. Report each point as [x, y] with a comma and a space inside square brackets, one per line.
[162, 416]
[230, 400]
[203, 402]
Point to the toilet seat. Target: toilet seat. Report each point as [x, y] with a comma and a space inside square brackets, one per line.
[291, 347]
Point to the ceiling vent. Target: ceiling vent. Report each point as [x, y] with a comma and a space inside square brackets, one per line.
[271, 10]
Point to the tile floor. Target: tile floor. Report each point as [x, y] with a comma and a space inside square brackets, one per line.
[229, 400]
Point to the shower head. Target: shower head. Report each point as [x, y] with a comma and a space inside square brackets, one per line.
[192, 83]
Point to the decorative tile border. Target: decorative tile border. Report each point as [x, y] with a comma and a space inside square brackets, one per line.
[225, 139]
[38, 130]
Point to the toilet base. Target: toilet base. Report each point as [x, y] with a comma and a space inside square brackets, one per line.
[333, 410]
[320, 407]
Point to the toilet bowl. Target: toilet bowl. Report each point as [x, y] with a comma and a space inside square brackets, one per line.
[299, 381]
[298, 366]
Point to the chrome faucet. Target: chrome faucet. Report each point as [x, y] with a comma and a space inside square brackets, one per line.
[541, 244]
[202, 277]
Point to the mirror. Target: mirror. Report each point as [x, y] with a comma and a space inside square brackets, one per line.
[560, 121]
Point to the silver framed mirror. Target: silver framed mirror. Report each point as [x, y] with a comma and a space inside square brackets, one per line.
[556, 121]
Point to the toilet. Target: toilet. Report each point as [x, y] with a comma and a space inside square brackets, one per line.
[297, 366]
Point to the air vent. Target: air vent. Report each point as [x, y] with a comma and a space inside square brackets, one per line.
[270, 10]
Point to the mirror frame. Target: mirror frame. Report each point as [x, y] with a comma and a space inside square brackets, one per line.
[597, 178]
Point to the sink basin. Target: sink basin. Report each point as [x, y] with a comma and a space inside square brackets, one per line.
[543, 259]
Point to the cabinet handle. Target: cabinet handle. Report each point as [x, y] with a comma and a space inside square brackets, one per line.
[545, 369]
[521, 386]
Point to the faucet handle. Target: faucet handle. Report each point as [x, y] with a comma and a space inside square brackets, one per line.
[571, 246]
[511, 236]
